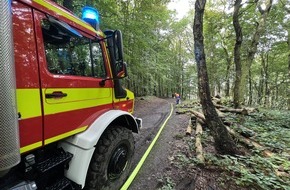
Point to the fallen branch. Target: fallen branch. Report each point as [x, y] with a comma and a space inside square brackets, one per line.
[218, 105]
[189, 128]
[244, 111]
[232, 110]
[220, 114]
[250, 143]
[251, 110]
[198, 145]
[245, 132]
[216, 100]
[198, 115]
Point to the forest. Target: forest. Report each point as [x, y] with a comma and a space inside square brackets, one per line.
[159, 52]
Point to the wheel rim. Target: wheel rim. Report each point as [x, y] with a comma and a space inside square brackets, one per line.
[118, 162]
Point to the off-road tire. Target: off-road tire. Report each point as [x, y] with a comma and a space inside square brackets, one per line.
[116, 144]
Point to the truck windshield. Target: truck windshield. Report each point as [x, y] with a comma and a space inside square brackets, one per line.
[68, 54]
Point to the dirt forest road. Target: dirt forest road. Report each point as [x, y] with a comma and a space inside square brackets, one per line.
[154, 111]
[170, 164]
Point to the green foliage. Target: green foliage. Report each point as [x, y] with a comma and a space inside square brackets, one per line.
[183, 160]
[167, 183]
[254, 171]
[251, 171]
[272, 129]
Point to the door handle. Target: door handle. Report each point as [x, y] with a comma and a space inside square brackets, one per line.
[55, 94]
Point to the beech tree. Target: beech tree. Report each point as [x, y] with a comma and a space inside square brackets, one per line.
[237, 54]
[287, 25]
[224, 143]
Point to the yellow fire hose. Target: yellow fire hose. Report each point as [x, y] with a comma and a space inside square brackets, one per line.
[141, 162]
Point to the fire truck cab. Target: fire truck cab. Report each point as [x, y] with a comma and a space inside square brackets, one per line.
[66, 120]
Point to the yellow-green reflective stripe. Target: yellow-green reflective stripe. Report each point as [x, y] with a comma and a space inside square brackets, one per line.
[28, 103]
[30, 147]
[64, 135]
[77, 98]
[130, 96]
[63, 13]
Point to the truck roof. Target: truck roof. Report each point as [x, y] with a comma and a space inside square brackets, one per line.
[62, 13]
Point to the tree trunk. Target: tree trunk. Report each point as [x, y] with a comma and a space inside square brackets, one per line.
[288, 90]
[250, 102]
[238, 98]
[198, 144]
[229, 63]
[260, 88]
[252, 49]
[224, 143]
[227, 90]
[266, 79]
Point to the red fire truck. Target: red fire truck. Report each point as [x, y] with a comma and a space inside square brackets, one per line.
[66, 120]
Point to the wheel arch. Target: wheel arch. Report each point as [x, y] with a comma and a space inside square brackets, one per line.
[82, 145]
[125, 121]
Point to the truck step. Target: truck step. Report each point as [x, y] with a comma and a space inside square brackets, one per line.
[60, 184]
[54, 161]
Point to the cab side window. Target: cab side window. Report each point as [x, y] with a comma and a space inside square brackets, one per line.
[99, 69]
[70, 53]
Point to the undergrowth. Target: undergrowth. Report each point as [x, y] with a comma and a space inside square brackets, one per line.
[254, 171]
[271, 129]
[167, 183]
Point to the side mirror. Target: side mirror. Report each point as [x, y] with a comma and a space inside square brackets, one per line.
[118, 45]
[121, 66]
[122, 72]
[115, 46]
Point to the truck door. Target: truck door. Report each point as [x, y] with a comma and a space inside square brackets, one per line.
[71, 70]
[27, 78]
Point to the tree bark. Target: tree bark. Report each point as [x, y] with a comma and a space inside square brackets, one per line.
[264, 62]
[189, 128]
[198, 144]
[252, 49]
[229, 64]
[238, 97]
[250, 102]
[243, 111]
[260, 88]
[288, 90]
[224, 143]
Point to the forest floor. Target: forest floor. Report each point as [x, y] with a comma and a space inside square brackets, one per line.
[172, 163]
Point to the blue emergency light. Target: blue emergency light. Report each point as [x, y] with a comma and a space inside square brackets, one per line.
[91, 16]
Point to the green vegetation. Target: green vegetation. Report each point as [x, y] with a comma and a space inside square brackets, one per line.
[254, 170]
[167, 183]
[272, 129]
